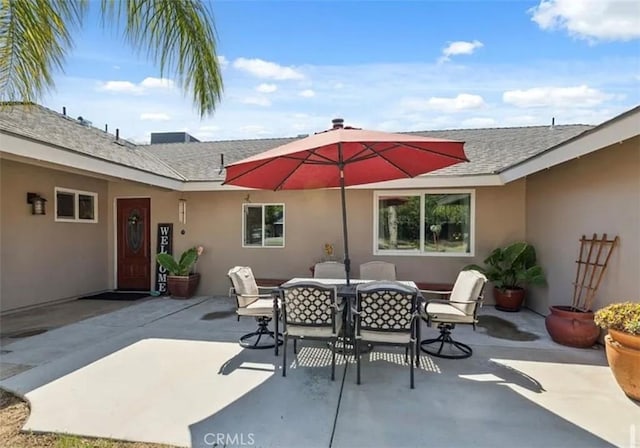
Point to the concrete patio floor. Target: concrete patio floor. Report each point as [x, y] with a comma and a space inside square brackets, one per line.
[172, 372]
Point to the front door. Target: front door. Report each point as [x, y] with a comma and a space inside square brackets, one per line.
[133, 235]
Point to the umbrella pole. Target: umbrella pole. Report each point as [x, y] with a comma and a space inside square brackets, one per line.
[345, 235]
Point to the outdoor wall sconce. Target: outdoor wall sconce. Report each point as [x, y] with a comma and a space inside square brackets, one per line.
[37, 203]
[182, 211]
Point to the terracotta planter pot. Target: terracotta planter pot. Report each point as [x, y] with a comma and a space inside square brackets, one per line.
[572, 328]
[508, 299]
[183, 287]
[623, 355]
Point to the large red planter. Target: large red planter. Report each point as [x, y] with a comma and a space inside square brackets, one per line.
[183, 287]
[572, 328]
[623, 355]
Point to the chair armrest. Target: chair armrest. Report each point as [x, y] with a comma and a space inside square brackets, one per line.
[445, 301]
[268, 288]
[434, 291]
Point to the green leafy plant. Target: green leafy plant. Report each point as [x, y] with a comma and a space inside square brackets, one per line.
[180, 267]
[512, 267]
[620, 316]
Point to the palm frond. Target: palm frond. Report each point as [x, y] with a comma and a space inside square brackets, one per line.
[34, 40]
[179, 36]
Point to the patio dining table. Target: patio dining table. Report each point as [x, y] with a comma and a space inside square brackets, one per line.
[348, 294]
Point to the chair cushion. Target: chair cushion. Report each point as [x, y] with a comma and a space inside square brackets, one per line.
[261, 307]
[446, 312]
[387, 336]
[316, 332]
[243, 280]
[378, 270]
[468, 287]
[329, 269]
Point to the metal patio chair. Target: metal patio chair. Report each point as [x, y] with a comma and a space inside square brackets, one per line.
[310, 310]
[461, 308]
[254, 301]
[386, 313]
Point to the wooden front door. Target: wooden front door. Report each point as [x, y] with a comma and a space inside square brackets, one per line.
[133, 236]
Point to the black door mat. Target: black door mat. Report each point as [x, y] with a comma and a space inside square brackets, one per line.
[113, 295]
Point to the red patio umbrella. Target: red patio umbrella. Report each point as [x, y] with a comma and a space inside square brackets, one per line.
[344, 156]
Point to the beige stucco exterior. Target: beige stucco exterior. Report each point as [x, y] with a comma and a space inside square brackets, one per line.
[42, 260]
[598, 193]
[214, 220]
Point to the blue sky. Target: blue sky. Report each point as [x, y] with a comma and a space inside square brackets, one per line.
[289, 67]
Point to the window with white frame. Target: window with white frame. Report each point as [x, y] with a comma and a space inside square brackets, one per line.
[75, 205]
[263, 225]
[434, 222]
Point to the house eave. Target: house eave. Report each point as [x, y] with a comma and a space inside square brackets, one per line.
[614, 131]
[31, 149]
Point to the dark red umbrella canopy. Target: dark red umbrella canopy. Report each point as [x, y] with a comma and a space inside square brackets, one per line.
[344, 156]
[367, 156]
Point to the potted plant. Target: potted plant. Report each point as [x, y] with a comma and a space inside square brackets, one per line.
[182, 282]
[510, 268]
[622, 320]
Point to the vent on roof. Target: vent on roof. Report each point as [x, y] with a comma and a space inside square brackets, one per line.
[83, 122]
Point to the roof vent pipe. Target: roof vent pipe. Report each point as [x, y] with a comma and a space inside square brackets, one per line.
[106, 128]
[338, 123]
[117, 134]
[64, 110]
[221, 163]
[553, 122]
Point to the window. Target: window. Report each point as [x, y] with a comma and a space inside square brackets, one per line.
[76, 206]
[263, 225]
[436, 222]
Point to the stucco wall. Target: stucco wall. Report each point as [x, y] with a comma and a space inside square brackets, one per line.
[313, 218]
[42, 260]
[598, 193]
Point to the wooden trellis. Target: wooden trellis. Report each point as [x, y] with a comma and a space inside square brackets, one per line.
[592, 264]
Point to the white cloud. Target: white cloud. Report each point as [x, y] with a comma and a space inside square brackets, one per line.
[156, 83]
[120, 87]
[459, 47]
[265, 69]
[209, 128]
[222, 61]
[155, 116]
[140, 88]
[266, 88]
[308, 93]
[463, 101]
[257, 101]
[578, 96]
[478, 122]
[594, 20]
[256, 129]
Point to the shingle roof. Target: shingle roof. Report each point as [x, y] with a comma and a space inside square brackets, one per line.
[42, 124]
[201, 161]
[488, 150]
[493, 150]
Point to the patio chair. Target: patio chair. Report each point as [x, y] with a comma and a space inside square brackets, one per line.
[461, 308]
[378, 270]
[310, 310]
[254, 301]
[329, 269]
[386, 313]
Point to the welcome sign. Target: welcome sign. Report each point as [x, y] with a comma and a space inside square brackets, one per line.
[165, 246]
